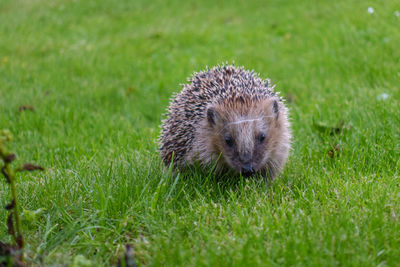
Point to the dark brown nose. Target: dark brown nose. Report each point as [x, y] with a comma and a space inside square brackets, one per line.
[247, 170]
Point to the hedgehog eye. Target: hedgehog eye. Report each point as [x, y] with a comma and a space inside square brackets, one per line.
[261, 137]
[229, 141]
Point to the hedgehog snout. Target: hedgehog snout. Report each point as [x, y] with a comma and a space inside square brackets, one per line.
[245, 158]
[247, 170]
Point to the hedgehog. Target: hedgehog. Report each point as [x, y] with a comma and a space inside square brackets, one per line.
[230, 118]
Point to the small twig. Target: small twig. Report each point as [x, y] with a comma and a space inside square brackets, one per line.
[9, 174]
[15, 230]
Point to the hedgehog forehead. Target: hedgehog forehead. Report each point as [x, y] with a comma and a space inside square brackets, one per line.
[240, 121]
[241, 112]
[246, 125]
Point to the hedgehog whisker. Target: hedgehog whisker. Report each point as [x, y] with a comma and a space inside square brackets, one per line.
[241, 121]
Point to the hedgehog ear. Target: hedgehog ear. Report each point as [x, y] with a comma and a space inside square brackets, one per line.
[212, 116]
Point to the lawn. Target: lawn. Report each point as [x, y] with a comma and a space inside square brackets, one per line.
[99, 75]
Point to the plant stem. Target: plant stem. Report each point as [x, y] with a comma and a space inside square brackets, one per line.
[19, 238]
[10, 176]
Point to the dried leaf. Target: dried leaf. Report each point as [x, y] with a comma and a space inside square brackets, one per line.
[333, 151]
[27, 107]
[30, 167]
[9, 158]
[336, 148]
[20, 241]
[11, 205]
[10, 224]
[332, 130]
[3, 171]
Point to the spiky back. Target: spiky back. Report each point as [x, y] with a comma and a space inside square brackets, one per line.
[221, 84]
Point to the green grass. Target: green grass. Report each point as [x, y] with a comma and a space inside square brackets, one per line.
[104, 185]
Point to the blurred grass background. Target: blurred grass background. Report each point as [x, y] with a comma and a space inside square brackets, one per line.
[99, 75]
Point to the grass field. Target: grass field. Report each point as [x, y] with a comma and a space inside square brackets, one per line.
[99, 75]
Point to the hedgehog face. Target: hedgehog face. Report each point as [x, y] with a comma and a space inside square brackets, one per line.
[242, 134]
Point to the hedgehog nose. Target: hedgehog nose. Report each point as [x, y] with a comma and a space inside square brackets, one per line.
[247, 170]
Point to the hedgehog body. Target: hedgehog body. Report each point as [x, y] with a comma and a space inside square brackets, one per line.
[229, 116]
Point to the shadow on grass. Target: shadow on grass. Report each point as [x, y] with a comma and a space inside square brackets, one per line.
[205, 183]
